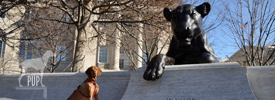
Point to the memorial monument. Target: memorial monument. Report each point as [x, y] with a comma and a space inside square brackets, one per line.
[192, 81]
[189, 44]
[212, 81]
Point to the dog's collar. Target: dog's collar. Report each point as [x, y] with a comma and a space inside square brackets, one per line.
[89, 81]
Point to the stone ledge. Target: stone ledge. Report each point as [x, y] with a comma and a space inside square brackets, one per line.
[59, 86]
[198, 66]
[263, 68]
[262, 81]
[223, 81]
[113, 84]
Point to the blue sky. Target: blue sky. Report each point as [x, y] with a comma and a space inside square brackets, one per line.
[223, 45]
[222, 37]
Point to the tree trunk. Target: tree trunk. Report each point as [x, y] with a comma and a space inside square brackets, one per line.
[85, 19]
[79, 54]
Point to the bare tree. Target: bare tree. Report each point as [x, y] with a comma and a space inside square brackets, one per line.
[155, 32]
[45, 35]
[10, 26]
[251, 26]
[142, 27]
[6, 63]
[36, 34]
[84, 13]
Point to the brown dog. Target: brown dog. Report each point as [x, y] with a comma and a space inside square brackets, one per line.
[89, 87]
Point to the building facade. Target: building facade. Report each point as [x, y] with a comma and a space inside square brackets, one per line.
[111, 50]
[9, 43]
[240, 55]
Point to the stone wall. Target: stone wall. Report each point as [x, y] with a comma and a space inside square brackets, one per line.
[262, 81]
[113, 85]
[59, 86]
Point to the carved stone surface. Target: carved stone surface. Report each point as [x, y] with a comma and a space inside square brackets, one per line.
[113, 85]
[217, 81]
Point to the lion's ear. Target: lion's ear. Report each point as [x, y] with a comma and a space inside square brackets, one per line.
[98, 71]
[204, 9]
[167, 14]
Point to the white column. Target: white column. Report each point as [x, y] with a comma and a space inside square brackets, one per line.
[139, 46]
[116, 47]
[116, 52]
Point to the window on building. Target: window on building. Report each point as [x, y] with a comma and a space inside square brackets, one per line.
[144, 56]
[3, 9]
[2, 46]
[27, 11]
[22, 51]
[103, 54]
[29, 51]
[61, 56]
[25, 50]
[124, 61]
[29, 15]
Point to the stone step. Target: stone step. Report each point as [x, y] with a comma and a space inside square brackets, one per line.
[217, 81]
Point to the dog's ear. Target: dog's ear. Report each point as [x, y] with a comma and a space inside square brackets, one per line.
[167, 13]
[88, 72]
[204, 9]
[98, 71]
